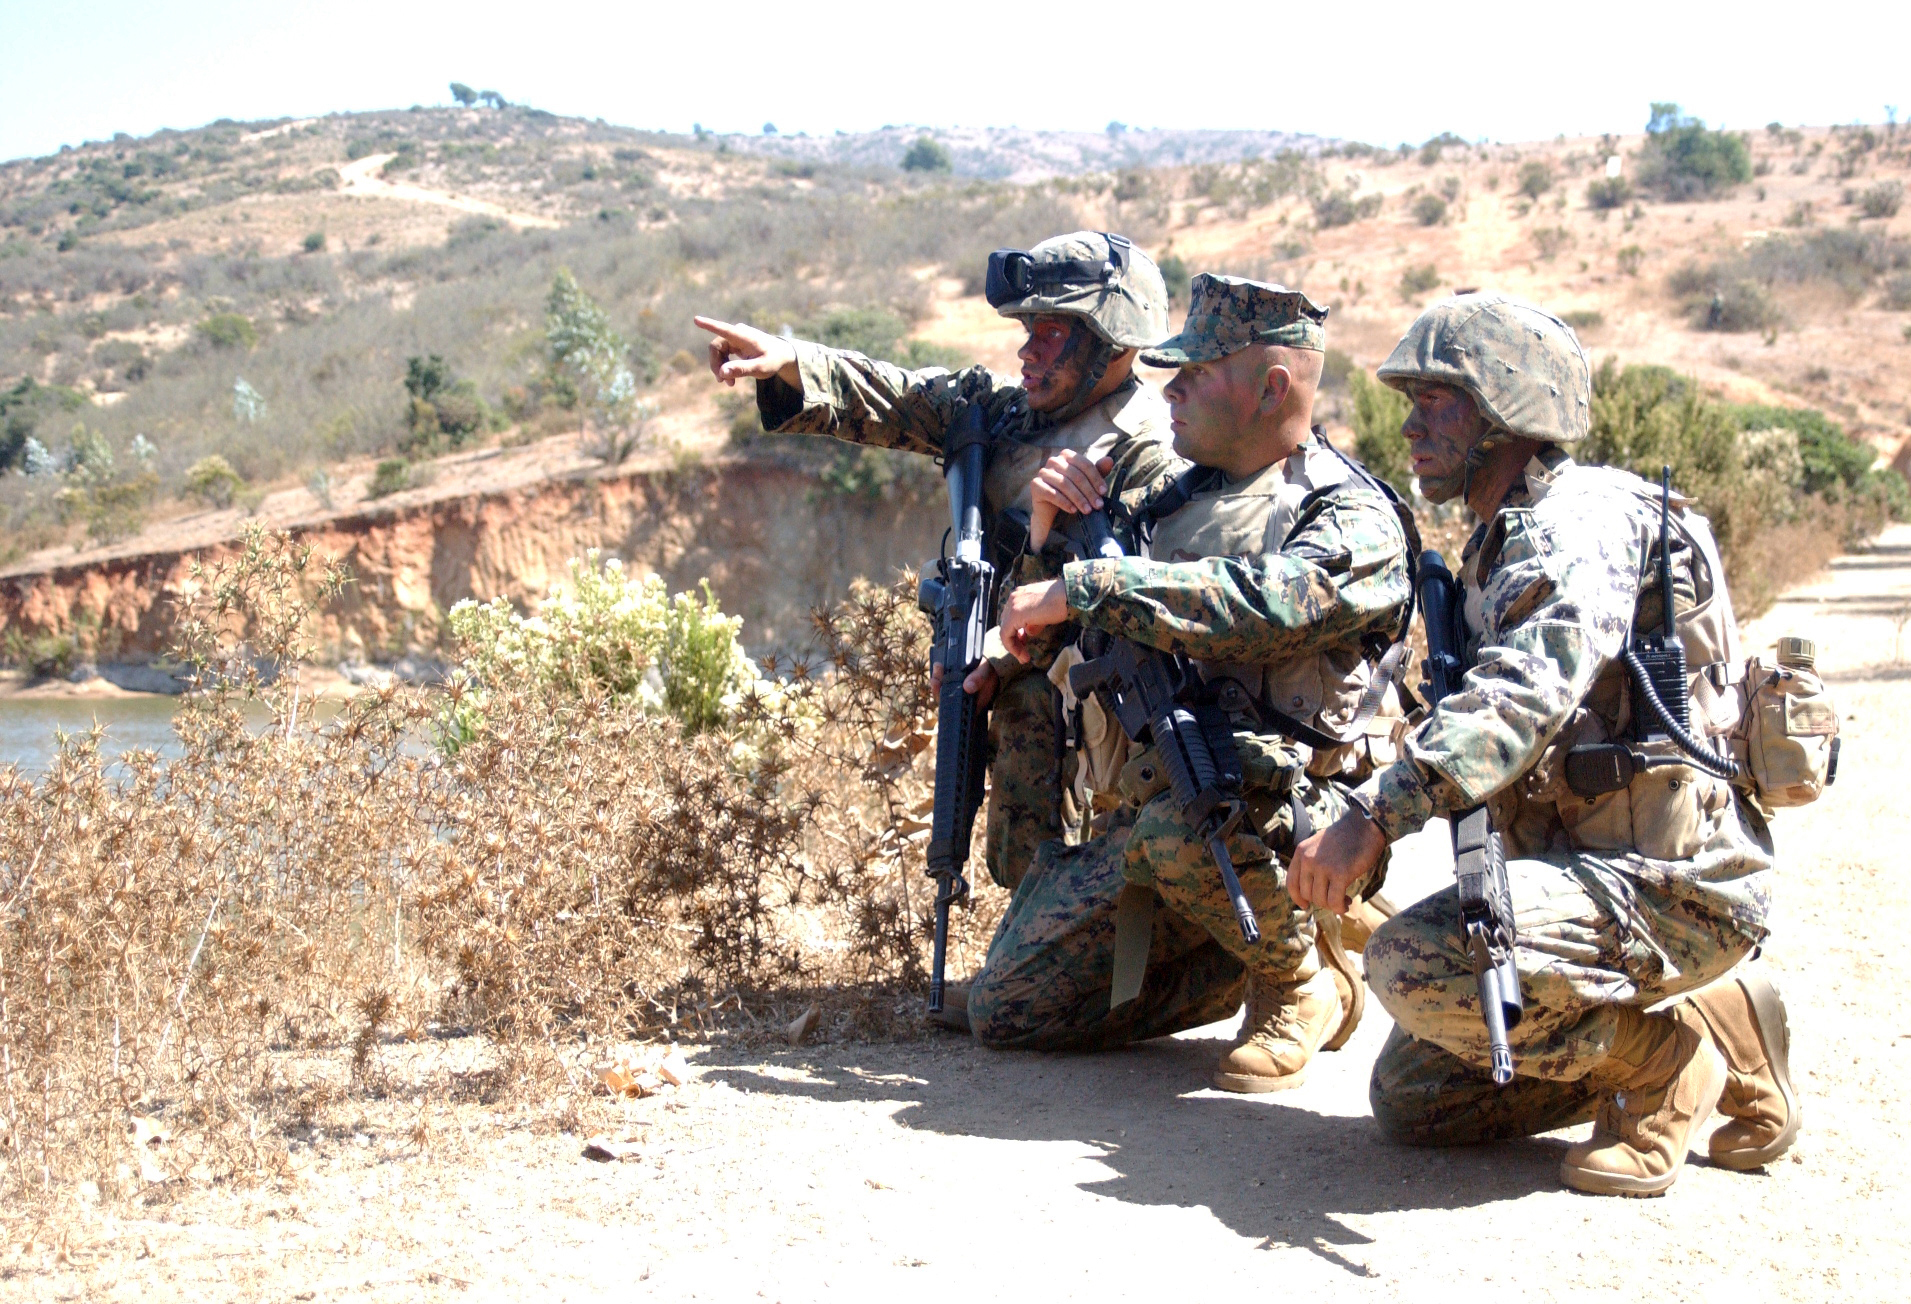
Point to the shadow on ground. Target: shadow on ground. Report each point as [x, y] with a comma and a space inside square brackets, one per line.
[1269, 1169]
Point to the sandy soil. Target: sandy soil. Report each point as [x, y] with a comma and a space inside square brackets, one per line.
[361, 177]
[934, 1168]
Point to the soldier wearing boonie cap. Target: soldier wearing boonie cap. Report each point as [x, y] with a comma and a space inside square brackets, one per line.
[1280, 569]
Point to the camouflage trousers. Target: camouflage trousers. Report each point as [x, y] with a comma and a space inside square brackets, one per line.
[1596, 932]
[1031, 777]
[1046, 982]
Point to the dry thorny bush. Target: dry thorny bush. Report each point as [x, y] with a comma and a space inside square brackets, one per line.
[212, 946]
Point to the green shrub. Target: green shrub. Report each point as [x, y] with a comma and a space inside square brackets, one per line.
[213, 481]
[1416, 281]
[1830, 461]
[1535, 178]
[1883, 199]
[314, 242]
[1630, 259]
[1550, 240]
[1897, 292]
[927, 155]
[1683, 160]
[1378, 414]
[1609, 192]
[1175, 275]
[1339, 208]
[1429, 210]
[606, 635]
[1584, 319]
[228, 330]
[389, 477]
[444, 411]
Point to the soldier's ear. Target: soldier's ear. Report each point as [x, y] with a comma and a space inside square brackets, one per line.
[1275, 389]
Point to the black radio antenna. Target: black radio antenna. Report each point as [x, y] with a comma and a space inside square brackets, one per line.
[1665, 551]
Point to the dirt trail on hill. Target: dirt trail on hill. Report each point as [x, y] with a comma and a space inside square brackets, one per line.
[937, 1170]
[361, 178]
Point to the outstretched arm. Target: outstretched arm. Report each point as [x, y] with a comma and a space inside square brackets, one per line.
[742, 352]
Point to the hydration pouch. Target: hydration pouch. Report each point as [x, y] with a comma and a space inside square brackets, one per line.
[1788, 734]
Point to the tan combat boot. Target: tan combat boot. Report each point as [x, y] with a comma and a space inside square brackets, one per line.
[1666, 1079]
[1288, 1017]
[1746, 1020]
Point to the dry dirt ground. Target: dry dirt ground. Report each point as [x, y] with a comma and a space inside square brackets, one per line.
[940, 1170]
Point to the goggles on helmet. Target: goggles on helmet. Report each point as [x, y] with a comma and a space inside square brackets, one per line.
[1014, 274]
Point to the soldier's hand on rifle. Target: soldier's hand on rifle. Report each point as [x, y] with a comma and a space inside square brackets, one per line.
[1030, 610]
[981, 683]
[740, 352]
[1067, 482]
[1326, 865]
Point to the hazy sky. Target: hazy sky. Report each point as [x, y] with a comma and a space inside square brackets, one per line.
[74, 70]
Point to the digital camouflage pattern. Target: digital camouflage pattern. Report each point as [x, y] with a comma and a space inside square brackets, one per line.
[1623, 900]
[1129, 311]
[1028, 766]
[1045, 984]
[1341, 578]
[1046, 981]
[1595, 933]
[1522, 365]
[1228, 313]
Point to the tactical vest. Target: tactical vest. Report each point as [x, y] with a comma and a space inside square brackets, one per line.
[1133, 409]
[1247, 518]
[1669, 812]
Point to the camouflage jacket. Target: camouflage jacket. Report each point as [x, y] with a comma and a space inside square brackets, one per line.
[1555, 584]
[1337, 578]
[850, 397]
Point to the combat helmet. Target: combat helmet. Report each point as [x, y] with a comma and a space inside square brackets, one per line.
[1522, 365]
[1096, 276]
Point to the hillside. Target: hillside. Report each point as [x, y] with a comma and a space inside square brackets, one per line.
[141, 281]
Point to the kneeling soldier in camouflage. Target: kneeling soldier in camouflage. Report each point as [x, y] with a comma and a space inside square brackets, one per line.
[1281, 570]
[1624, 893]
[1088, 301]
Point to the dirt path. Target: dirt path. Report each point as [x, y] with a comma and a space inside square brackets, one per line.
[936, 1170]
[361, 177]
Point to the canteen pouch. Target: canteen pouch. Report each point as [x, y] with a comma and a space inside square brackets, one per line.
[1788, 735]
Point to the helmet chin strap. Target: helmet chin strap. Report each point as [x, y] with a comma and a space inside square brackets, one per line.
[1459, 484]
[1100, 354]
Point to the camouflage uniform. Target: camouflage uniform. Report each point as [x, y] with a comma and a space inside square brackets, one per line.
[857, 399]
[1621, 900]
[1285, 582]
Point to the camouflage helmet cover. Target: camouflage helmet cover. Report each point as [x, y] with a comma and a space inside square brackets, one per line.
[1522, 365]
[1128, 306]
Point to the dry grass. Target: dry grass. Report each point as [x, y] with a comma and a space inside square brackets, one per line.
[220, 943]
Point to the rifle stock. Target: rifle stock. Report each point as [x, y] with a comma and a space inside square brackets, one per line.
[1479, 861]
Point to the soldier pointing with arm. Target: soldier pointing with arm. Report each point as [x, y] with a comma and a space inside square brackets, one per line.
[1088, 301]
[1626, 890]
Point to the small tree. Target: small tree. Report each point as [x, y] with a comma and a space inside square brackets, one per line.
[1536, 178]
[493, 99]
[213, 481]
[927, 155]
[589, 358]
[1683, 160]
[463, 94]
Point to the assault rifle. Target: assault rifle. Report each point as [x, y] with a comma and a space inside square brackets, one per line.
[1479, 862]
[1142, 689]
[959, 595]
